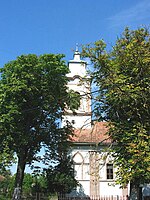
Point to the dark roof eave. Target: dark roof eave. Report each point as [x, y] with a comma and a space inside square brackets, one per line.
[90, 143]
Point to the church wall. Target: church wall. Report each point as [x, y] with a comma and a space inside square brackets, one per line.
[77, 68]
[84, 188]
[109, 188]
[84, 90]
[77, 82]
[78, 121]
[91, 165]
[94, 179]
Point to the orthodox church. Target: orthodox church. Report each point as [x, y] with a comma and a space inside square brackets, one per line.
[93, 166]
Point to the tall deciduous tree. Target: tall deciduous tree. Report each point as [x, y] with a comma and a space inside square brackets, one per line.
[33, 96]
[60, 174]
[123, 78]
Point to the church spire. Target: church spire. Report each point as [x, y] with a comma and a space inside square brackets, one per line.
[77, 54]
[77, 47]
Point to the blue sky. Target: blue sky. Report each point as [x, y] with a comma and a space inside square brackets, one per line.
[55, 26]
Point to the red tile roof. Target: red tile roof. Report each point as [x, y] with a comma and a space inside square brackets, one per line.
[95, 134]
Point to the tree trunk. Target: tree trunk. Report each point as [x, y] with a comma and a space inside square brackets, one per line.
[19, 178]
[135, 191]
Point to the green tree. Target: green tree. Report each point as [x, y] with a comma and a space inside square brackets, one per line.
[60, 174]
[122, 76]
[6, 156]
[33, 183]
[60, 178]
[6, 185]
[28, 182]
[33, 97]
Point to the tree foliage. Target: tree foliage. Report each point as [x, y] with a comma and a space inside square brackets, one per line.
[32, 184]
[60, 175]
[60, 179]
[33, 97]
[6, 185]
[123, 78]
[6, 157]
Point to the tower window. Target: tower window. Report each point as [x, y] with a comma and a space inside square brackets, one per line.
[109, 171]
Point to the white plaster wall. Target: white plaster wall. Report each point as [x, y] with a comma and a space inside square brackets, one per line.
[76, 85]
[73, 84]
[77, 68]
[78, 172]
[109, 188]
[79, 121]
[82, 172]
[84, 91]
[86, 187]
[86, 174]
[106, 187]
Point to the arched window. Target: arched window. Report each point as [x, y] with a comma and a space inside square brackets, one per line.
[78, 165]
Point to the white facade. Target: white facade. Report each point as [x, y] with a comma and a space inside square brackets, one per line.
[91, 172]
[78, 82]
[95, 174]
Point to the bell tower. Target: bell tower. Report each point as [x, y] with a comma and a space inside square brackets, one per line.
[79, 82]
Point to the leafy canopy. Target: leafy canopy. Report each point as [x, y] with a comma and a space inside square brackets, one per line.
[123, 78]
[33, 98]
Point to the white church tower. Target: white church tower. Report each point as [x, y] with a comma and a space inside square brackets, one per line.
[93, 168]
[79, 82]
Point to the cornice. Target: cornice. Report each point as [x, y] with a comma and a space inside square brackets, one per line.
[79, 114]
